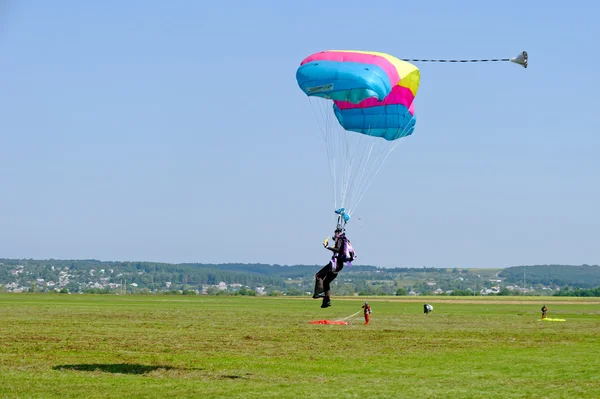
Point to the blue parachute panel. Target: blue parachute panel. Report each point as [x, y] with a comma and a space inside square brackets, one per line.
[343, 81]
[390, 122]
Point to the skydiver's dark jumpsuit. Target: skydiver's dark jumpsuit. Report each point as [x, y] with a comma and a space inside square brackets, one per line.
[544, 310]
[326, 275]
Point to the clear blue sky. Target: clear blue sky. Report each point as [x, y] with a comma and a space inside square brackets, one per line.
[176, 132]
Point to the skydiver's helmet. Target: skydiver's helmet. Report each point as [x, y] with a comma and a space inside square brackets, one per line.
[366, 303]
[338, 232]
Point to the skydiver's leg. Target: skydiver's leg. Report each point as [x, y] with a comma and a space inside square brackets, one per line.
[321, 274]
[327, 287]
[326, 283]
[329, 278]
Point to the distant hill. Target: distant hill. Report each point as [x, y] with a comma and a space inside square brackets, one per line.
[584, 276]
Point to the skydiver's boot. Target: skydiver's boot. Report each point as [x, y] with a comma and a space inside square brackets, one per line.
[326, 302]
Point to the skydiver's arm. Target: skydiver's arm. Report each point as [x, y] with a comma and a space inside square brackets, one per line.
[337, 248]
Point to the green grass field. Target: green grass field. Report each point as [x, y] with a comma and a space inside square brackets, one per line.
[244, 347]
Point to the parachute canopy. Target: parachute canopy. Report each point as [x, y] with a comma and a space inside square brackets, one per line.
[367, 92]
[341, 322]
[372, 92]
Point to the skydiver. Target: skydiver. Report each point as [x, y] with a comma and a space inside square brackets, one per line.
[544, 310]
[329, 272]
[367, 311]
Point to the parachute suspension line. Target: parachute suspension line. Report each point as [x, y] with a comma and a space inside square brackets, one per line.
[353, 162]
[349, 163]
[368, 167]
[327, 137]
[335, 142]
[375, 175]
[367, 182]
[331, 144]
[368, 150]
[350, 156]
[342, 142]
[345, 147]
[369, 170]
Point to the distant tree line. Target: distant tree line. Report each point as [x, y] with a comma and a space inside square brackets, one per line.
[589, 292]
[585, 276]
[94, 276]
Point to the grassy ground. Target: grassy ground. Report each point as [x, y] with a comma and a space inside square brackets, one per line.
[236, 347]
